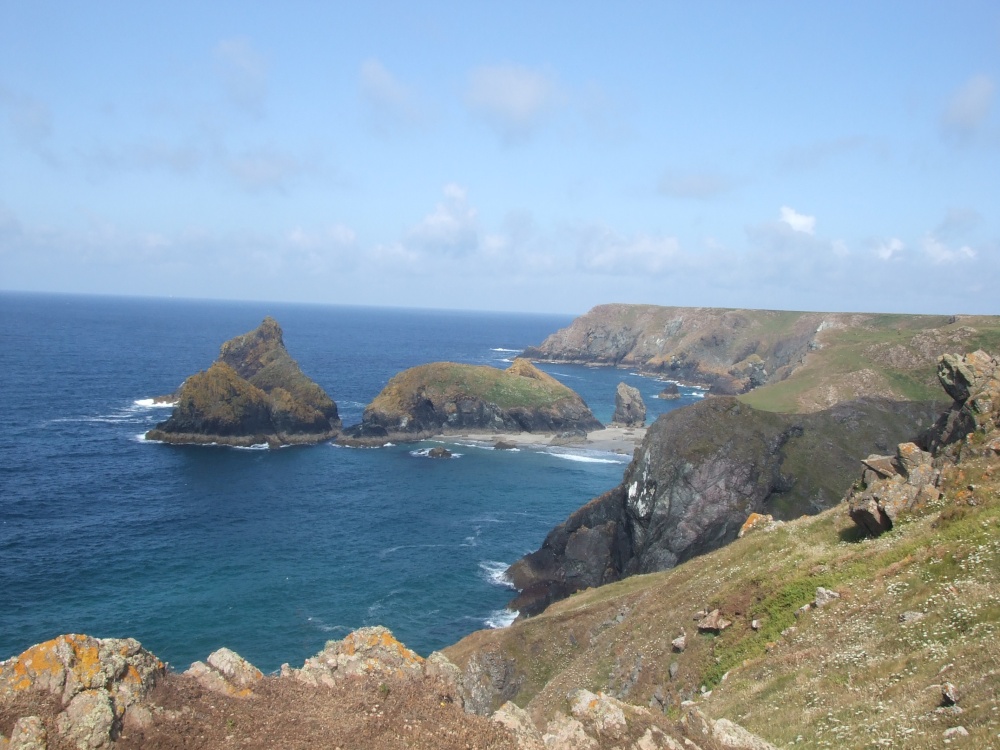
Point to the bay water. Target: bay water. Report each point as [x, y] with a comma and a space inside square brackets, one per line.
[268, 552]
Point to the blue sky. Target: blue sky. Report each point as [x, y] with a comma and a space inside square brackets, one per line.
[505, 156]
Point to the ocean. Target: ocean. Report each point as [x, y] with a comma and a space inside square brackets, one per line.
[268, 552]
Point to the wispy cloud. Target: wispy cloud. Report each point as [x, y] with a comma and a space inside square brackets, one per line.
[695, 185]
[512, 99]
[938, 252]
[243, 71]
[604, 251]
[388, 103]
[969, 107]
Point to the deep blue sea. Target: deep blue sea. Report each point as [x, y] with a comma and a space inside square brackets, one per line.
[268, 552]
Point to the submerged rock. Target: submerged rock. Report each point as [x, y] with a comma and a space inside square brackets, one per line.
[253, 394]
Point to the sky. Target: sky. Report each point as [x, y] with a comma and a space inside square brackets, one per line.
[513, 156]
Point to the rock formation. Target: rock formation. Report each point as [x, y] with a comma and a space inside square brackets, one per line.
[447, 398]
[698, 474]
[630, 411]
[670, 393]
[254, 393]
[893, 485]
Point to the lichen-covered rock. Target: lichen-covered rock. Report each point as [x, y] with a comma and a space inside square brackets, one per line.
[600, 713]
[366, 651]
[96, 681]
[254, 393]
[28, 734]
[630, 410]
[226, 672]
[517, 720]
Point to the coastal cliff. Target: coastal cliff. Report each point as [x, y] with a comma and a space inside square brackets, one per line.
[448, 398]
[698, 474]
[833, 356]
[254, 393]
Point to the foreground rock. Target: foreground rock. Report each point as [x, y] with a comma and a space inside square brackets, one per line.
[253, 394]
[93, 682]
[447, 398]
[700, 472]
[630, 411]
[908, 481]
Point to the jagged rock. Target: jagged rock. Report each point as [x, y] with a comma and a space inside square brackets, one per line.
[95, 679]
[673, 669]
[254, 393]
[28, 734]
[366, 651]
[89, 720]
[449, 398]
[893, 485]
[949, 694]
[564, 733]
[756, 522]
[439, 452]
[517, 720]
[824, 597]
[679, 643]
[600, 712]
[488, 681]
[226, 672]
[973, 381]
[630, 411]
[714, 622]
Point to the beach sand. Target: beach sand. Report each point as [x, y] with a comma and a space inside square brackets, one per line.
[610, 439]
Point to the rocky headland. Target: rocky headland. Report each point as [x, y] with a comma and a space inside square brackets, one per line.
[445, 398]
[253, 394]
[698, 474]
[834, 356]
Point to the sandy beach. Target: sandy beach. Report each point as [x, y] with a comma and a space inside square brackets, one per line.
[610, 439]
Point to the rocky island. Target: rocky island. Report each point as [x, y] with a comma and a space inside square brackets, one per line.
[253, 394]
[446, 398]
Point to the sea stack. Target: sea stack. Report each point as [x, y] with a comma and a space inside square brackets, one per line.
[448, 398]
[253, 394]
[630, 410]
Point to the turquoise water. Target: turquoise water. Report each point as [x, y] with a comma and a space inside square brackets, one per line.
[268, 552]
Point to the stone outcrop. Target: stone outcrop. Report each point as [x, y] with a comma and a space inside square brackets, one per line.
[893, 485]
[699, 473]
[670, 393]
[630, 410]
[95, 682]
[447, 398]
[226, 672]
[253, 394]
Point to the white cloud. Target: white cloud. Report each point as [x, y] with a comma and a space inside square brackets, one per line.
[244, 74]
[798, 222]
[512, 99]
[604, 251]
[389, 103]
[889, 249]
[938, 252]
[452, 228]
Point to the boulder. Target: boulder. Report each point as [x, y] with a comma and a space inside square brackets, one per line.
[28, 734]
[439, 452]
[517, 720]
[366, 651]
[630, 410]
[713, 622]
[226, 672]
[670, 393]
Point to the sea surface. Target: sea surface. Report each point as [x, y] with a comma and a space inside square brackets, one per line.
[268, 552]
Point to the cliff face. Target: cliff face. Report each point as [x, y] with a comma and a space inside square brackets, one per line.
[254, 393]
[444, 397]
[697, 476]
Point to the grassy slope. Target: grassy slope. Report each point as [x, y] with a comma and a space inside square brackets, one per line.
[851, 675]
[447, 381]
[887, 355]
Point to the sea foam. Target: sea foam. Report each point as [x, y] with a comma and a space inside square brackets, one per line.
[500, 618]
[495, 572]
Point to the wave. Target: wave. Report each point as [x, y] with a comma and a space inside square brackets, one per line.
[590, 459]
[501, 349]
[495, 572]
[148, 403]
[501, 618]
